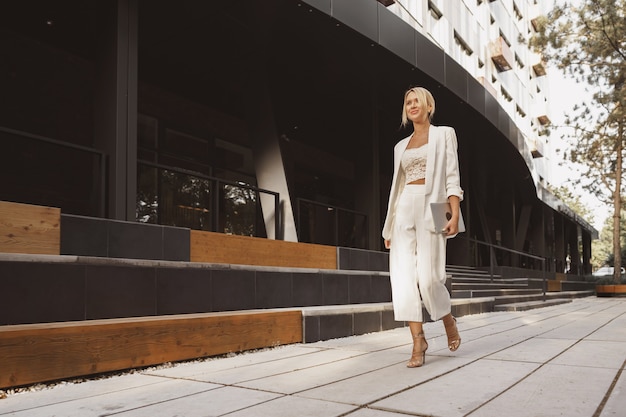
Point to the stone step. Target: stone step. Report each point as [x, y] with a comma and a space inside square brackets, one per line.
[510, 299]
[530, 305]
[335, 321]
[465, 286]
[499, 292]
[497, 281]
[471, 275]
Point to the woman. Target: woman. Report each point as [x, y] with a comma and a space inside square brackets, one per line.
[426, 170]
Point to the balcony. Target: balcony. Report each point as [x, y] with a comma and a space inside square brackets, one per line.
[539, 66]
[501, 54]
[540, 111]
[536, 16]
[536, 147]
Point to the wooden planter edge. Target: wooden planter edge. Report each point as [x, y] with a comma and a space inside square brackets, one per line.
[611, 290]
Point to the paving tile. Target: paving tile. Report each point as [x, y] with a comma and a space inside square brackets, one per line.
[487, 345]
[123, 400]
[67, 391]
[554, 390]
[281, 367]
[372, 386]
[295, 406]
[594, 353]
[368, 412]
[536, 349]
[304, 379]
[211, 365]
[580, 327]
[373, 341]
[616, 403]
[614, 331]
[458, 393]
[216, 402]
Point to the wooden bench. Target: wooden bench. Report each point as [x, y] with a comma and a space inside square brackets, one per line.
[25, 228]
[213, 247]
[34, 353]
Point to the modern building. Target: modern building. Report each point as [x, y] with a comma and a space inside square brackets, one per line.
[277, 119]
[212, 176]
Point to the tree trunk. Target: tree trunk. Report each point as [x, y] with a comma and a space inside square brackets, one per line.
[617, 205]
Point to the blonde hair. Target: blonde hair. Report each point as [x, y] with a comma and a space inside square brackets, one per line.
[425, 99]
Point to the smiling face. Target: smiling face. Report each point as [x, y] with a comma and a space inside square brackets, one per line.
[419, 106]
[416, 109]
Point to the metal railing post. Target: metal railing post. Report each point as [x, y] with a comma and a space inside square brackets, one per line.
[277, 217]
[545, 283]
[215, 202]
[492, 255]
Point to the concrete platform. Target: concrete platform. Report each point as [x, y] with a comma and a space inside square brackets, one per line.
[562, 360]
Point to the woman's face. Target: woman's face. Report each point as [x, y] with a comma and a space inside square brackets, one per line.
[416, 111]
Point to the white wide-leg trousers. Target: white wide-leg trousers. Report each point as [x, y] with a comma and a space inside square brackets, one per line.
[417, 261]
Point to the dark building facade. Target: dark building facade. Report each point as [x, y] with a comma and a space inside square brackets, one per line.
[274, 119]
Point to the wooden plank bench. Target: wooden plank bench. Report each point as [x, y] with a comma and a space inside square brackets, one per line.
[213, 247]
[34, 353]
[26, 228]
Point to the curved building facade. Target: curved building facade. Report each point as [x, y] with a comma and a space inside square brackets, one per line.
[277, 119]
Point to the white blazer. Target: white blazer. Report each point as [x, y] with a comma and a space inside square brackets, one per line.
[442, 174]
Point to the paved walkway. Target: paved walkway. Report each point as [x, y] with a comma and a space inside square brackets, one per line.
[564, 360]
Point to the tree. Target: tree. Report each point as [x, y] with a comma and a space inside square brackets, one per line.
[573, 201]
[587, 39]
[602, 252]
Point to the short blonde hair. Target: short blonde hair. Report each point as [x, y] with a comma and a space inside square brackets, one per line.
[424, 97]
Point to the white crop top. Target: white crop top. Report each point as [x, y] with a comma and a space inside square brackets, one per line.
[414, 163]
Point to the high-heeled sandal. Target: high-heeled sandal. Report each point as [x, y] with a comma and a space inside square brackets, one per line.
[418, 356]
[454, 340]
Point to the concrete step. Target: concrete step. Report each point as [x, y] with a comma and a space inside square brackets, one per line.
[471, 275]
[482, 280]
[530, 305]
[562, 285]
[497, 292]
[511, 299]
[335, 321]
[465, 286]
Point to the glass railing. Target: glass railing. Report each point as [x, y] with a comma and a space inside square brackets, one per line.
[49, 172]
[178, 197]
[325, 224]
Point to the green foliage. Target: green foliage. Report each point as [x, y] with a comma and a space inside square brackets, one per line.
[587, 39]
[573, 201]
[602, 249]
[610, 281]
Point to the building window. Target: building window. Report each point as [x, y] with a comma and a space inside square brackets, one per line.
[508, 43]
[519, 61]
[517, 12]
[520, 111]
[462, 44]
[506, 94]
[434, 11]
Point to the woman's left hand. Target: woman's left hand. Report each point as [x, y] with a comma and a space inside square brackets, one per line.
[452, 228]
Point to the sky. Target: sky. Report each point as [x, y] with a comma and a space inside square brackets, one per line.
[564, 94]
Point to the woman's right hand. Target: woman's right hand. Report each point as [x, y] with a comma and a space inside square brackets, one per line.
[387, 244]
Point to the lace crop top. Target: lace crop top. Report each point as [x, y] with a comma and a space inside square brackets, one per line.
[414, 163]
